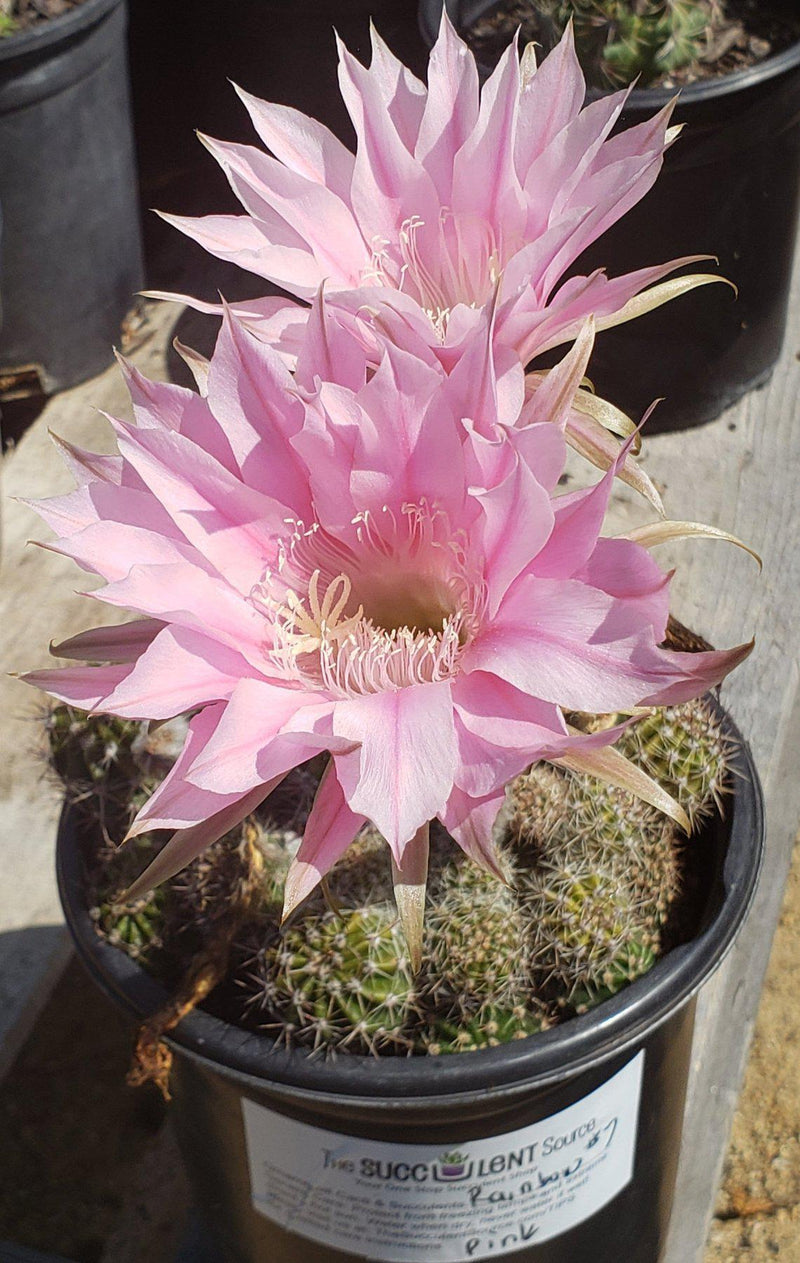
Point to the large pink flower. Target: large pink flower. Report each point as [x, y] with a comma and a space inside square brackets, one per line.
[373, 564]
[454, 198]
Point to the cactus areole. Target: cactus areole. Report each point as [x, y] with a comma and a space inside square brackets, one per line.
[556, 1148]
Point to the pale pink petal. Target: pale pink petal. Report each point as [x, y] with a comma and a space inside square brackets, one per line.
[305, 146]
[331, 350]
[627, 571]
[541, 446]
[86, 466]
[401, 453]
[190, 597]
[570, 644]
[681, 676]
[402, 773]
[256, 738]
[158, 405]
[502, 730]
[553, 398]
[509, 550]
[486, 384]
[451, 109]
[403, 94]
[251, 388]
[386, 176]
[556, 174]
[330, 828]
[181, 670]
[281, 256]
[106, 548]
[550, 99]
[85, 687]
[231, 524]
[579, 518]
[471, 821]
[560, 321]
[320, 219]
[278, 322]
[496, 197]
[326, 445]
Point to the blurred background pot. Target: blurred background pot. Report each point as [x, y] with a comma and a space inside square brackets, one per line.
[71, 253]
[730, 187]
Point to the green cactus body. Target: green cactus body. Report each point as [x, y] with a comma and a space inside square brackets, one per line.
[684, 749]
[341, 978]
[136, 928]
[492, 1026]
[619, 41]
[586, 928]
[474, 942]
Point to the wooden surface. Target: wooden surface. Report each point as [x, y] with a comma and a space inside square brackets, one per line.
[38, 604]
[741, 473]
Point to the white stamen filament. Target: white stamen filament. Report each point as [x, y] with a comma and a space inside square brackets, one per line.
[399, 615]
[469, 268]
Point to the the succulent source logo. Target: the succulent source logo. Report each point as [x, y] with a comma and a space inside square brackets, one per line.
[453, 1165]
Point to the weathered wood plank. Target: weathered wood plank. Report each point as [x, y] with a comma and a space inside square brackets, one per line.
[37, 604]
[742, 473]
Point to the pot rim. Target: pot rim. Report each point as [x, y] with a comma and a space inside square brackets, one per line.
[87, 14]
[652, 98]
[565, 1050]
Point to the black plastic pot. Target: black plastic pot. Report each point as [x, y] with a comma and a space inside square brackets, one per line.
[71, 245]
[566, 1142]
[730, 187]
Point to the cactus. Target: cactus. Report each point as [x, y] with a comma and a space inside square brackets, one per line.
[137, 928]
[604, 869]
[619, 41]
[593, 881]
[587, 930]
[339, 978]
[492, 1027]
[474, 942]
[685, 750]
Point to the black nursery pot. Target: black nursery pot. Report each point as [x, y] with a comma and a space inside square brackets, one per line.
[730, 187]
[71, 255]
[558, 1148]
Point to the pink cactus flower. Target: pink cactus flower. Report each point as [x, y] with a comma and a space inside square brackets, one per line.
[373, 564]
[454, 198]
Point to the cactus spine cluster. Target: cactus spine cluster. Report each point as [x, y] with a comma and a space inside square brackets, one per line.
[592, 880]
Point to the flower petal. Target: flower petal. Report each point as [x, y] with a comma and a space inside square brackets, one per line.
[260, 734]
[185, 845]
[330, 828]
[402, 772]
[122, 643]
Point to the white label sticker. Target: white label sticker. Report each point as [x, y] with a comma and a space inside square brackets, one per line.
[423, 1203]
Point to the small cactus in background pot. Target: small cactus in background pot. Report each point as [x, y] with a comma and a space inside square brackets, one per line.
[622, 41]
